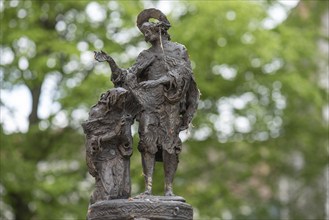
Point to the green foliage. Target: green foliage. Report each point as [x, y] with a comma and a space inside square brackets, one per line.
[257, 148]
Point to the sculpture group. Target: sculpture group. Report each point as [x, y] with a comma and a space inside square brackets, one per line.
[160, 93]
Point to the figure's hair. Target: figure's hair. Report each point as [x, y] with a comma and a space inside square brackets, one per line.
[164, 31]
[163, 25]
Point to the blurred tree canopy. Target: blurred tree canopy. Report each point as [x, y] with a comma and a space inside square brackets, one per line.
[258, 146]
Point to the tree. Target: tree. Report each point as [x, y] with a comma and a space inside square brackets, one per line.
[48, 42]
[262, 101]
[257, 147]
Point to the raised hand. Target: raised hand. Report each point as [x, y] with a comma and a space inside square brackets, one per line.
[101, 56]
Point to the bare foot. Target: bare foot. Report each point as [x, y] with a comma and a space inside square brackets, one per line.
[146, 193]
[143, 195]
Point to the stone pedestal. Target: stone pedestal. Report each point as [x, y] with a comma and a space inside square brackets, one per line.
[142, 208]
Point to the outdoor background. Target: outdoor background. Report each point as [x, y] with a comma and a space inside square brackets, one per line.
[258, 148]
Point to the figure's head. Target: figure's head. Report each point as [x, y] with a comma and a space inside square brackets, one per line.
[116, 98]
[152, 30]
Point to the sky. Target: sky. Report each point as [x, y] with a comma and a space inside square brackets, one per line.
[14, 116]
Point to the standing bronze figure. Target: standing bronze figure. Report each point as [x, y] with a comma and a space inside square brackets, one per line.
[166, 91]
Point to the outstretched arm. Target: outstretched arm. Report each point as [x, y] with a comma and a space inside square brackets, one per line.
[102, 56]
[117, 76]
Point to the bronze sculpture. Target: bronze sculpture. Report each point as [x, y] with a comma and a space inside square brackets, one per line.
[161, 94]
[109, 146]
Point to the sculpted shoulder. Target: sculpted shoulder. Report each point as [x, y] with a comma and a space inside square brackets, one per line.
[178, 49]
[145, 55]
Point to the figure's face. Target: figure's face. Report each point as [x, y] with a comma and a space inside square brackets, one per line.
[117, 97]
[150, 33]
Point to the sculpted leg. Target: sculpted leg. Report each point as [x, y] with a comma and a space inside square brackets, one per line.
[148, 163]
[170, 162]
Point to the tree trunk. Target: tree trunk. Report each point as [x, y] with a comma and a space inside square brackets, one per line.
[35, 93]
[19, 201]
[22, 210]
